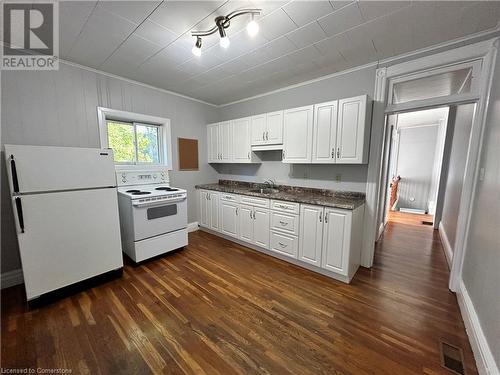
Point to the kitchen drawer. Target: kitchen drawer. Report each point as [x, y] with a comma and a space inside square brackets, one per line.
[229, 197]
[284, 206]
[254, 201]
[284, 244]
[287, 223]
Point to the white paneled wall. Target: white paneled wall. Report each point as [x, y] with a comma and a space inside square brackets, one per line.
[58, 108]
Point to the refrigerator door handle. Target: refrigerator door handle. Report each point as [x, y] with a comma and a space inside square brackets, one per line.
[15, 181]
[20, 217]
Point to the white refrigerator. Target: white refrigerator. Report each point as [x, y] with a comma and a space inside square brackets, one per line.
[66, 213]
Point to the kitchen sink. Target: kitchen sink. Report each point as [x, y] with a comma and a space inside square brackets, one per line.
[265, 191]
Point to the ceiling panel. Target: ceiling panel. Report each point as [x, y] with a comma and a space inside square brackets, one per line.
[303, 12]
[276, 24]
[298, 40]
[135, 11]
[307, 35]
[341, 20]
[155, 33]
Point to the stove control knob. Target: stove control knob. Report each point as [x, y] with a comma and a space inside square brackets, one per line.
[154, 176]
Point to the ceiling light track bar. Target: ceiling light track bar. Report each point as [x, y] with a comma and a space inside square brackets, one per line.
[222, 22]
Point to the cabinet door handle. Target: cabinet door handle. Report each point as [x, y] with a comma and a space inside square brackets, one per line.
[320, 218]
[283, 154]
[282, 244]
[263, 136]
[236, 211]
[326, 218]
[251, 215]
[333, 152]
[249, 154]
[338, 153]
[267, 136]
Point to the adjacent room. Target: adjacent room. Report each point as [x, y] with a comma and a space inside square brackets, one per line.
[233, 187]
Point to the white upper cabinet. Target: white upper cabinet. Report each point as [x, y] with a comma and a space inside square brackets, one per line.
[325, 132]
[267, 129]
[297, 136]
[213, 143]
[353, 130]
[274, 128]
[225, 142]
[258, 126]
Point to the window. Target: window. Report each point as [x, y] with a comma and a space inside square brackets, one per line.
[134, 143]
[136, 139]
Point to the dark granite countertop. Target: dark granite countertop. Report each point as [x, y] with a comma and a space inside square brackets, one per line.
[338, 199]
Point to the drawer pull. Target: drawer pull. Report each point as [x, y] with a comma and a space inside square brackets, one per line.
[283, 206]
[284, 223]
[282, 244]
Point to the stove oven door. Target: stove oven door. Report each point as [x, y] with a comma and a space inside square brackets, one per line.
[156, 218]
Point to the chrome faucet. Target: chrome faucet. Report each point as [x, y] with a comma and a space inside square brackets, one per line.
[270, 183]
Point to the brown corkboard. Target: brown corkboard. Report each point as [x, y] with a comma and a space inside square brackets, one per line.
[188, 154]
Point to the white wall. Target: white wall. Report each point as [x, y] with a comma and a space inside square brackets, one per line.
[353, 177]
[416, 157]
[481, 269]
[461, 129]
[58, 108]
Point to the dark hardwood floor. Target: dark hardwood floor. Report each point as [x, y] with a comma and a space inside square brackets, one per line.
[217, 307]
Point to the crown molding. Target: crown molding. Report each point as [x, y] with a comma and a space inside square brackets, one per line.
[111, 75]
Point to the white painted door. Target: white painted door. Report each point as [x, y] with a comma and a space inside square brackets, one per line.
[336, 238]
[297, 136]
[258, 125]
[245, 221]
[204, 209]
[213, 202]
[241, 140]
[229, 218]
[261, 227]
[351, 129]
[274, 128]
[311, 234]
[213, 143]
[225, 142]
[68, 237]
[324, 132]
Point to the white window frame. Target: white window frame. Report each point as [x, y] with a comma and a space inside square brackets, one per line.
[164, 136]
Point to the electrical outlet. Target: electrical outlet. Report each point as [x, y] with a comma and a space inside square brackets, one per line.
[338, 177]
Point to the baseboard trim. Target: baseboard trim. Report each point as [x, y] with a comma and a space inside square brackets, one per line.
[448, 251]
[193, 227]
[485, 361]
[11, 278]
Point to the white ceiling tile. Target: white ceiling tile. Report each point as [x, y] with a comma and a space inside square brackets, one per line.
[277, 48]
[337, 4]
[268, 6]
[307, 35]
[72, 18]
[341, 20]
[303, 12]
[133, 51]
[374, 9]
[230, 6]
[155, 33]
[169, 57]
[101, 35]
[276, 24]
[181, 16]
[135, 11]
[306, 54]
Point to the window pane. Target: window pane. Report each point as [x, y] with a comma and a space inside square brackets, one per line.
[147, 144]
[121, 140]
[442, 84]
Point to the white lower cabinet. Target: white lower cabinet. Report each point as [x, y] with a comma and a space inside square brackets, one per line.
[209, 209]
[326, 238]
[229, 218]
[311, 234]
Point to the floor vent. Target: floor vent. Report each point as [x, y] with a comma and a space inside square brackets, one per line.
[425, 222]
[452, 358]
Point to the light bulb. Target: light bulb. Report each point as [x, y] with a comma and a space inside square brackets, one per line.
[252, 28]
[224, 42]
[196, 51]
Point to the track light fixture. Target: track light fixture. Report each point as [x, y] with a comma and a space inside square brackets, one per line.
[221, 24]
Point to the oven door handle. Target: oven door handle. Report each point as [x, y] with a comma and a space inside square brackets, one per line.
[157, 203]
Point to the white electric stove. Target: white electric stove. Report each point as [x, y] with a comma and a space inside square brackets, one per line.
[153, 215]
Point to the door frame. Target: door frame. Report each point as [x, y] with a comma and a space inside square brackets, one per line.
[486, 51]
